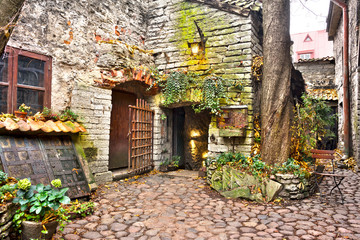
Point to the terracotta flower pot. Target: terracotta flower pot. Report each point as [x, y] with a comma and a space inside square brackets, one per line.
[20, 114]
[32, 230]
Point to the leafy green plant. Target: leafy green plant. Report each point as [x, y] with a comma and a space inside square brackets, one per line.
[8, 186]
[39, 203]
[176, 84]
[174, 161]
[163, 117]
[3, 177]
[48, 114]
[68, 115]
[213, 90]
[312, 122]
[24, 108]
[256, 167]
[79, 208]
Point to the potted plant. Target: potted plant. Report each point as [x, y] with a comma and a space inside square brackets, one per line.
[170, 165]
[22, 112]
[39, 212]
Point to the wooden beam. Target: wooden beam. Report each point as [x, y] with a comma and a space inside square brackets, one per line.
[225, 7]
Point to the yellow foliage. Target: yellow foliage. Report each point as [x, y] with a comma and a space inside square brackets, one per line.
[256, 68]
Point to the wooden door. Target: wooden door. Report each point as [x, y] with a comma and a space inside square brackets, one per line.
[119, 129]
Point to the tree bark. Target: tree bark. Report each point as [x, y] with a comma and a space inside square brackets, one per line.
[9, 14]
[276, 99]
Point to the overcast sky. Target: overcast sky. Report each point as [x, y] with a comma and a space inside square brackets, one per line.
[310, 17]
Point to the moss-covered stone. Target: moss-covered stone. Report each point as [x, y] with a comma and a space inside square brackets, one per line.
[90, 153]
[232, 183]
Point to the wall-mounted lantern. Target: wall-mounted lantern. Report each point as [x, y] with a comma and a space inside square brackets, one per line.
[198, 48]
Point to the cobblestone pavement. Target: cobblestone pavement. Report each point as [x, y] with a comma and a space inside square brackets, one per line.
[170, 207]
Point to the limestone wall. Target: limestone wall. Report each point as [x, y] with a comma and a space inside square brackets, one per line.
[232, 40]
[319, 74]
[89, 38]
[83, 38]
[353, 9]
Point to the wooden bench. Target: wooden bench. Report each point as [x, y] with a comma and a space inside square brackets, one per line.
[337, 178]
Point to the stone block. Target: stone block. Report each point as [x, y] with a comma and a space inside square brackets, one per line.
[272, 190]
[241, 192]
[104, 177]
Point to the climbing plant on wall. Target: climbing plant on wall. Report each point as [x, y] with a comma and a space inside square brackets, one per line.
[209, 88]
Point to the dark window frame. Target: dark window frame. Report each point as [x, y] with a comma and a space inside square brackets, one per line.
[12, 55]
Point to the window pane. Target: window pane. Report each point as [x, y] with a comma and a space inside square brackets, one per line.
[30, 71]
[3, 99]
[4, 68]
[32, 98]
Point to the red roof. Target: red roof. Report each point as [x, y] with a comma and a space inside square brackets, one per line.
[27, 125]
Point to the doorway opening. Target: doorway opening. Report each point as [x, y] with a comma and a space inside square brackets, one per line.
[190, 137]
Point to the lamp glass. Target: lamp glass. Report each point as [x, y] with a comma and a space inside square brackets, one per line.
[195, 48]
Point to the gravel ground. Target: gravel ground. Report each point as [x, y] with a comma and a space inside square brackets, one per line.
[168, 207]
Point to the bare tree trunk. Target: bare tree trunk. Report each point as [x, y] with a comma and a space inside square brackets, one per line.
[9, 14]
[276, 99]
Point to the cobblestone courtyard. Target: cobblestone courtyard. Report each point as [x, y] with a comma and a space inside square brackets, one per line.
[175, 207]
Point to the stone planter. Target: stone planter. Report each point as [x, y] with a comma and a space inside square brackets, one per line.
[167, 168]
[232, 183]
[32, 230]
[7, 212]
[296, 188]
[232, 132]
[292, 187]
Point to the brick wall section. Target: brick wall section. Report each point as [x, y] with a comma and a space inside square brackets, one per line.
[94, 106]
[43, 28]
[319, 74]
[232, 41]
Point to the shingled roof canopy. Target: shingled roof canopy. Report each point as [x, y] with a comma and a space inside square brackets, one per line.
[240, 7]
[49, 126]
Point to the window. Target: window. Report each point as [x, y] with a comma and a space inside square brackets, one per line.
[305, 56]
[25, 77]
[308, 39]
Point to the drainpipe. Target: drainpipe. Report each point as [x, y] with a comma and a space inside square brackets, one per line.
[346, 101]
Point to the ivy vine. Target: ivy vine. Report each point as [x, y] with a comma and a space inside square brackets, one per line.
[175, 85]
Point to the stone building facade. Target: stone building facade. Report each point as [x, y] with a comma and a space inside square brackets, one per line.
[92, 41]
[335, 29]
[318, 73]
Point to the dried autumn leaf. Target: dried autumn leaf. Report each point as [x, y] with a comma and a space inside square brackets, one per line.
[116, 31]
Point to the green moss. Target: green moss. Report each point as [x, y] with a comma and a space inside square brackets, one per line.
[81, 152]
[186, 31]
[91, 153]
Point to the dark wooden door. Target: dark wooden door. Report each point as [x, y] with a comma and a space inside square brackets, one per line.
[178, 134]
[119, 129]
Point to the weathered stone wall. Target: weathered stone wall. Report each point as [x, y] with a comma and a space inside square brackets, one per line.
[353, 9]
[83, 38]
[232, 40]
[162, 136]
[317, 74]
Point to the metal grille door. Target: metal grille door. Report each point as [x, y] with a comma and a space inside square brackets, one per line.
[140, 137]
[43, 159]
